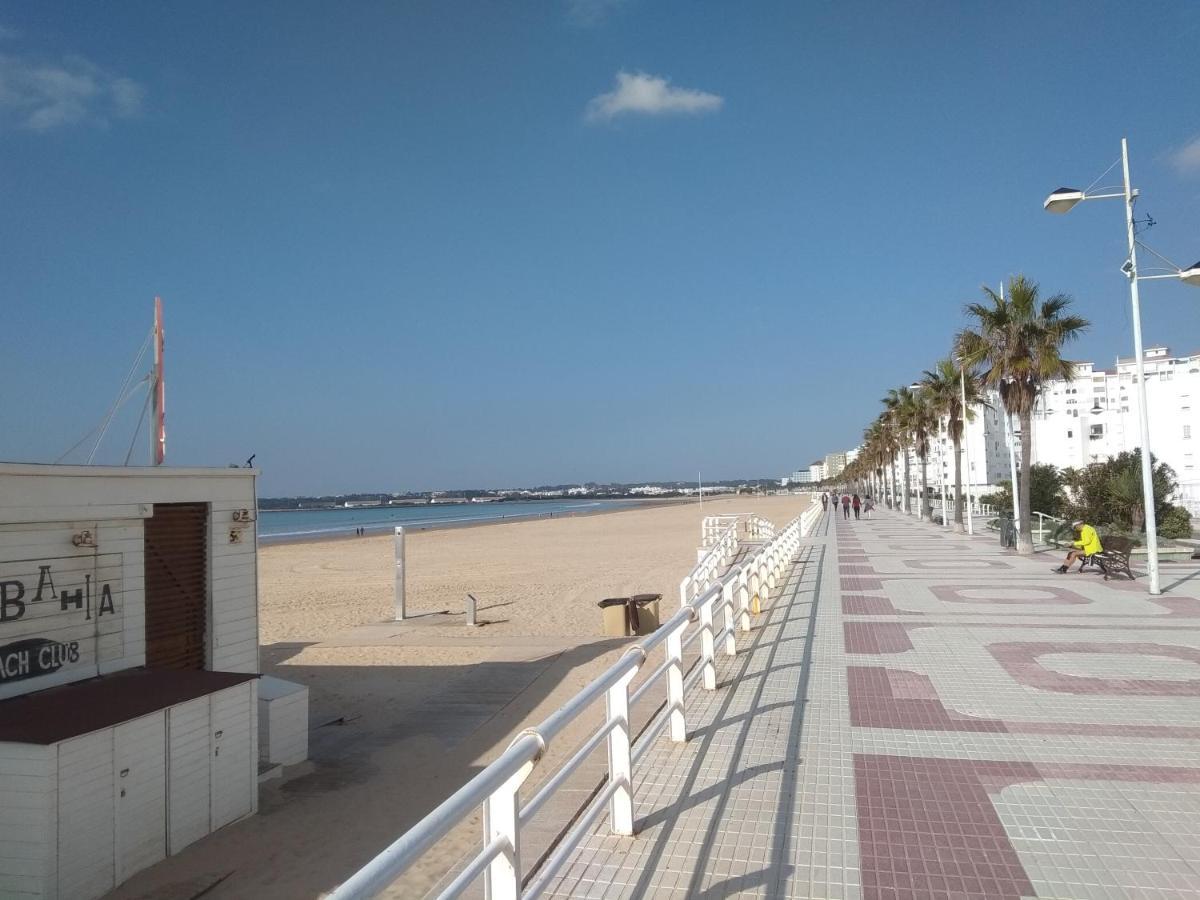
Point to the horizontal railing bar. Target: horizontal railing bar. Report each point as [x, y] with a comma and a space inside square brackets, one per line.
[679, 621]
[649, 682]
[392, 861]
[646, 740]
[474, 869]
[530, 807]
[692, 638]
[691, 678]
[571, 841]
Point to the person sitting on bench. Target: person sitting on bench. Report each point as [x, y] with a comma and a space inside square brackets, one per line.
[1087, 545]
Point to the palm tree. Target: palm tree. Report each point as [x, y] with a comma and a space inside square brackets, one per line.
[895, 404]
[1017, 342]
[944, 384]
[919, 421]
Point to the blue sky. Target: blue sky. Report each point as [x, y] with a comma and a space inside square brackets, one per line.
[412, 246]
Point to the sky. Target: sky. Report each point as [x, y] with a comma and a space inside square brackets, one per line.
[414, 246]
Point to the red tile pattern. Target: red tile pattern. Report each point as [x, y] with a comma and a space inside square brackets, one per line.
[1020, 660]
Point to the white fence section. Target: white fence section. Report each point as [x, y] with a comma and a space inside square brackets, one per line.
[977, 509]
[497, 788]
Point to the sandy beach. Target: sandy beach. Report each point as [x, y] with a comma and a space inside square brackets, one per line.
[403, 713]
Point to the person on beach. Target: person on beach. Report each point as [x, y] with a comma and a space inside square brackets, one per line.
[845, 506]
[856, 502]
[868, 505]
[1087, 545]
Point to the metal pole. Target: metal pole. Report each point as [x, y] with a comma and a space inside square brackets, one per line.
[962, 385]
[942, 463]
[399, 574]
[1143, 413]
[1012, 465]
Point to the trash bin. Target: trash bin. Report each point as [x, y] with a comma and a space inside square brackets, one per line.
[625, 616]
[1008, 534]
[646, 607]
[614, 610]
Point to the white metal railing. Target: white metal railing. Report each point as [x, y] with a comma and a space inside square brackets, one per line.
[497, 788]
[711, 564]
[977, 509]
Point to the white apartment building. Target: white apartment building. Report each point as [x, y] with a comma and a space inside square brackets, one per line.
[816, 471]
[1095, 416]
[800, 476]
[985, 447]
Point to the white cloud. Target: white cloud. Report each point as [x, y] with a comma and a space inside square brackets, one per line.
[650, 95]
[1186, 159]
[41, 95]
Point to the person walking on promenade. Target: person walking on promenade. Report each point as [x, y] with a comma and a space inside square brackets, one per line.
[868, 505]
[856, 502]
[1087, 545]
[825, 502]
[845, 506]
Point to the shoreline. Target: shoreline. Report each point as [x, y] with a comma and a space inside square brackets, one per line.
[383, 530]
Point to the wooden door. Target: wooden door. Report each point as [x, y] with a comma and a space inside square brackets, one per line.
[139, 776]
[85, 816]
[176, 544]
[188, 773]
[234, 772]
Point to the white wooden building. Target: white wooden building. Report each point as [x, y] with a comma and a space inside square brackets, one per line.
[128, 669]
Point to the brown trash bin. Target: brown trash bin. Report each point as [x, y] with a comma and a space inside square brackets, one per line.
[616, 616]
[646, 607]
[626, 616]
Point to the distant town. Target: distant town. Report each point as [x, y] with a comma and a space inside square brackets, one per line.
[588, 490]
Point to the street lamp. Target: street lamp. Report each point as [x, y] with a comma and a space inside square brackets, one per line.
[1065, 199]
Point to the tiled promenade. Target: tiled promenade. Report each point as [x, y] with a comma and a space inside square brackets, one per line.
[921, 715]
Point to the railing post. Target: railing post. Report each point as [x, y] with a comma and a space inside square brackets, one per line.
[707, 659]
[502, 878]
[744, 598]
[771, 569]
[675, 700]
[730, 637]
[683, 590]
[620, 765]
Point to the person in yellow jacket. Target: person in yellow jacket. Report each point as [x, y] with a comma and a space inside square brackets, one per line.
[1087, 545]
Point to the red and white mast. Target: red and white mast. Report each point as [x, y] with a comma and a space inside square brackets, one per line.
[158, 431]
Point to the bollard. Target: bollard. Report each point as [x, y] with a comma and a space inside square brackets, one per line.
[399, 574]
[471, 604]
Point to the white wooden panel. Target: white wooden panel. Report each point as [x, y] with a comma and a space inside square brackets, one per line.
[233, 782]
[28, 834]
[188, 773]
[61, 612]
[140, 777]
[86, 816]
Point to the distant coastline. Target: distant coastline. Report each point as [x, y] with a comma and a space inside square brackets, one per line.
[345, 530]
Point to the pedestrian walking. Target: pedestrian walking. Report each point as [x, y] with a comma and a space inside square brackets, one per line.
[825, 502]
[845, 506]
[856, 502]
[868, 505]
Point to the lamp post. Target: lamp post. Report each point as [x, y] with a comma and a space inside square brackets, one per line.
[1065, 199]
[962, 387]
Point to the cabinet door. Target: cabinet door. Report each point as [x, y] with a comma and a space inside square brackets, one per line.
[233, 771]
[86, 815]
[188, 772]
[140, 774]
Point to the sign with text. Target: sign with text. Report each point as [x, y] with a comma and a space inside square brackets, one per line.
[61, 614]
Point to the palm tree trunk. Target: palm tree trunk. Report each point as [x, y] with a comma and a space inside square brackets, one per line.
[958, 495]
[907, 482]
[926, 509]
[1025, 536]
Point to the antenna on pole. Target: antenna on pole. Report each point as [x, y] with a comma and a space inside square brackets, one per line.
[158, 431]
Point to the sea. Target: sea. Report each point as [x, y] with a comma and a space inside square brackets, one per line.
[311, 524]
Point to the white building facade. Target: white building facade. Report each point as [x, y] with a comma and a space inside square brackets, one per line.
[1095, 416]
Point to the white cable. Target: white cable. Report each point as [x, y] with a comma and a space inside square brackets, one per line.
[122, 394]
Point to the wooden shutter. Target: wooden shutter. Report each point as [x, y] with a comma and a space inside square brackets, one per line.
[176, 585]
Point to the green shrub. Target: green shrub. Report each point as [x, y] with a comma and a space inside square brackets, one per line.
[1177, 523]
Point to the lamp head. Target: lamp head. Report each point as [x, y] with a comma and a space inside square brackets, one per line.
[1191, 275]
[1062, 200]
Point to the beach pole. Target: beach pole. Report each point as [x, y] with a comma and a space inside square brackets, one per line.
[399, 573]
